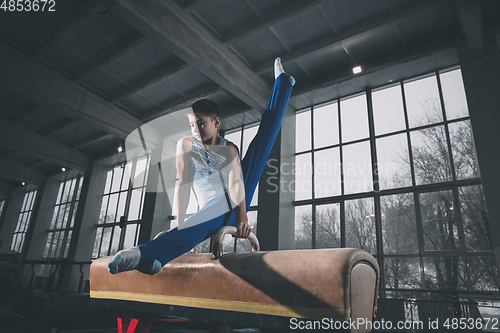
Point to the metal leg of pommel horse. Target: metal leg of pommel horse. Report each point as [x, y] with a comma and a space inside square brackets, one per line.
[134, 322]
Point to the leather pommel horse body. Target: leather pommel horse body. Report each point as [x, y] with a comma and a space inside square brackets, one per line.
[271, 290]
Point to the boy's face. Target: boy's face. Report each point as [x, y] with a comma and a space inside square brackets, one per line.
[202, 127]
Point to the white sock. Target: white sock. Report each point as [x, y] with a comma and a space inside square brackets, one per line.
[278, 68]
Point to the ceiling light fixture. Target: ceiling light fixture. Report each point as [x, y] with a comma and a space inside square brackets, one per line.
[63, 169]
[120, 149]
[356, 70]
[23, 183]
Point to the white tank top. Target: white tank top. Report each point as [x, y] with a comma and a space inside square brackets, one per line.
[207, 169]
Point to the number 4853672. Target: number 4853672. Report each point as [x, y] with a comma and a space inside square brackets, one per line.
[28, 5]
[471, 323]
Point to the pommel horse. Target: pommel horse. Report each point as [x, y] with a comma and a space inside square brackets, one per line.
[269, 290]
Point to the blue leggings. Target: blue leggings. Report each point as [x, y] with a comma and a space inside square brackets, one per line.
[215, 214]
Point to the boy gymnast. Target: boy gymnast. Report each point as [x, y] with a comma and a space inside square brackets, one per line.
[209, 164]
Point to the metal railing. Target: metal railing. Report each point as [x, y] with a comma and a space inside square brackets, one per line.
[54, 272]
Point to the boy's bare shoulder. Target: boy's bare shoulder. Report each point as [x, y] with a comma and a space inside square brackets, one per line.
[185, 143]
[232, 148]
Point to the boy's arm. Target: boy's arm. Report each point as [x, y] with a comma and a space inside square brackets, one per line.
[183, 190]
[237, 192]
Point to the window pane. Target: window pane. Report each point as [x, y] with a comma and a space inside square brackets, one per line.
[360, 225]
[54, 217]
[431, 159]
[357, 168]
[422, 102]
[303, 131]
[140, 172]
[111, 214]
[303, 177]
[402, 273]
[388, 114]
[106, 238]
[354, 118]
[28, 201]
[66, 214]
[326, 125]
[444, 273]
[47, 246]
[107, 186]
[126, 176]
[129, 236]
[455, 102]
[399, 227]
[59, 244]
[248, 135]
[303, 227]
[116, 240]
[141, 206]
[97, 243]
[68, 241]
[135, 204]
[104, 206]
[53, 248]
[59, 194]
[79, 188]
[121, 206]
[475, 219]
[463, 150]
[393, 162]
[438, 221]
[71, 190]
[117, 178]
[327, 173]
[483, 272]
[75, 209]
[328, 226]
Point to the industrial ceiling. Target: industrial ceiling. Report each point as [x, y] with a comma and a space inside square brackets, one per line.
[74, 82]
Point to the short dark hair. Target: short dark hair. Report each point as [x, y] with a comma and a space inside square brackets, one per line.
[207, 108]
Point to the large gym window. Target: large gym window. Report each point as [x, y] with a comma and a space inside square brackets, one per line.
[123, 196]
[393, 171]
[23, 221]
[63, 220]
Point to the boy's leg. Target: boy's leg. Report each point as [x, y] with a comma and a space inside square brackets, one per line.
[202, 224]
[259, 149]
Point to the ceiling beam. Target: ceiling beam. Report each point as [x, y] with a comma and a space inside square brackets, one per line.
[355, 32]
[172, 26]
[65, 123]
[21, 139]
[101, 63]
[94, 7]
[91, 140]
[194, 4]
[471, 20]
[46, 87]
[277, 16]
[27, 112]
[171, 68]
[16, 171]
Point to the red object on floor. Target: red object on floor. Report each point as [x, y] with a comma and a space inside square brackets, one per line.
[134, 322]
